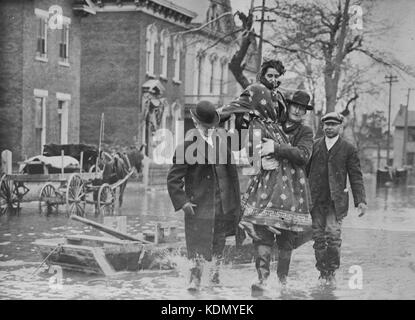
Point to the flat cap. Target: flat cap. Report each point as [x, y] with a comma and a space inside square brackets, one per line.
[332, 117]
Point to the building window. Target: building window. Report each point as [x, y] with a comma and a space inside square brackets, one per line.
[177, 49]
[151, 40]
[213, 59]
[223, 75]
[63, 116]
[411, 134]
[64, 45]
[42, 34]
[410, 158]
[164, 46]
[40, 119]
[200, 62]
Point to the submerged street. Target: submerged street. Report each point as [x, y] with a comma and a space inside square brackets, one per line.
[379, 246]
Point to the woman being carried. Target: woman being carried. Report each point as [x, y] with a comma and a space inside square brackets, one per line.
[276, 203]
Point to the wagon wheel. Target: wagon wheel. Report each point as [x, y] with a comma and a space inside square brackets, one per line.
[9, 195]
[106, 200]
[49, 199]
[75, 196]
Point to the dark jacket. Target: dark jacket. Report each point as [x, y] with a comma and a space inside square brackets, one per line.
[343, 161]
[197, 183]
[299, 152]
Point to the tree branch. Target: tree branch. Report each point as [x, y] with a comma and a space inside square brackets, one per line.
[235, 65]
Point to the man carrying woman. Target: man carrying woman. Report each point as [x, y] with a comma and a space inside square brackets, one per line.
[276, 204]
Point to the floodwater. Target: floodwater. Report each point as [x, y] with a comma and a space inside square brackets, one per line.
[378, 256]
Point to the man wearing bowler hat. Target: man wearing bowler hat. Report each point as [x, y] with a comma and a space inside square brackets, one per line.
[207, 190]
[332, 160]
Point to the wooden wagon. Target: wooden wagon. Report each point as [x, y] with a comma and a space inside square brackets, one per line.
[73, 185]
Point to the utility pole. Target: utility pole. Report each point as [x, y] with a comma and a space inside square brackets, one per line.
[390, 79]
[261, 32]
[405, 129]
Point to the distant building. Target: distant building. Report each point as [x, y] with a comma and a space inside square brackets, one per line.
[210, 48]
[133, 62]
[39, 75]
[398, 141]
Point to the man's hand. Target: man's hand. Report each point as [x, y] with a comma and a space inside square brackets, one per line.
[269, 163]
[362, 209]
[266, 147]
[188, 208]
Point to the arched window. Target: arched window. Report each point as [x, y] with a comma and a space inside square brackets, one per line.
[200, 71]
[177, 50]
[223, 75]
[164, 46]
[151, 40]
[213, 76]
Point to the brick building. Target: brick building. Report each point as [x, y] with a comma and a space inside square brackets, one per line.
[40, 75]
[133, 62]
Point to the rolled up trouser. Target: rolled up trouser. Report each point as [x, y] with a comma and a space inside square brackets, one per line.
[262, 261]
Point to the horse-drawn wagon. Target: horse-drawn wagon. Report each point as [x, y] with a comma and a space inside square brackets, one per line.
[70, 175]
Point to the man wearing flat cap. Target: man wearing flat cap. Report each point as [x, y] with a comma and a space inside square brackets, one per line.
[207, 190]
[332, 160]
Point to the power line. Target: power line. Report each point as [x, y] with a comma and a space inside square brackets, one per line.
[390, 79]
[262, 20]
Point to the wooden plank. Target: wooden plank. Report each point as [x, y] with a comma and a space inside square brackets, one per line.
[98, 239]
[111, 231]
[52, 177]
[81, 258]
[40, 177]
[102, 261]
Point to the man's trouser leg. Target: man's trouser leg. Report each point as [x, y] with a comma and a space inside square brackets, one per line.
[196, 272]
[318, 215]
[285, 243]
[333, 236]
[219, 241]
[263, 249]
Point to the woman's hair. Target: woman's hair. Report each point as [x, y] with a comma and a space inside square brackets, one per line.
[275, 64]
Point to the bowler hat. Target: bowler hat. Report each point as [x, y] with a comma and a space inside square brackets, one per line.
[332, 117]
[301, 98]
[205, 112]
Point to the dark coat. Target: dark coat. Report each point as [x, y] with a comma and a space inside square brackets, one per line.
[343, 161]
[197, 183]
[299, 152]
